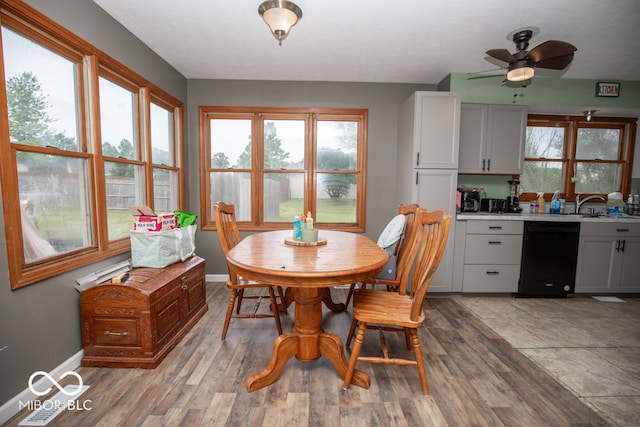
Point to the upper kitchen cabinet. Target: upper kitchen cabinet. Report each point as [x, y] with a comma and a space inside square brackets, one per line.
[492, 138]
[429, 129]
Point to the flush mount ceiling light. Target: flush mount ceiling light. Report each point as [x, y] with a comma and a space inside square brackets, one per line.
[280, 16]
[520, 71]
[589, 114]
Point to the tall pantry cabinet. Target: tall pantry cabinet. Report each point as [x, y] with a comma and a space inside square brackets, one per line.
[427, 170]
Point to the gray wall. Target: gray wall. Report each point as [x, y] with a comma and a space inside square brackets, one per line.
[40, 324]
[382, 101]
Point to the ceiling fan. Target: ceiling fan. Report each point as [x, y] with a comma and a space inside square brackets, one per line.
[552, 54]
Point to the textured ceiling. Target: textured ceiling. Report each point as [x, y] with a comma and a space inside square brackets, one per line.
[406, 41]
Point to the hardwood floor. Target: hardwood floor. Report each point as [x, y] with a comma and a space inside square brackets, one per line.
[476, 378]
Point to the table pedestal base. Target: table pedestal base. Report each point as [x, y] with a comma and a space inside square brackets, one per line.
[308, 342]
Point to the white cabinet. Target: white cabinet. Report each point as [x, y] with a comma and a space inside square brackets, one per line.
[430, 128]
[492, 138]
[608, 256]
[492, 256]
[428, 140]
[432, 191]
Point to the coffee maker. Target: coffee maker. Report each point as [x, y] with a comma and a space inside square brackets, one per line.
[513, 200]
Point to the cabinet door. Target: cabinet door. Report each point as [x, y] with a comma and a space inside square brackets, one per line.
[505, 138]
[436, 189]
[473, 138]
[596, 262]
[628, 278]
[436, 130]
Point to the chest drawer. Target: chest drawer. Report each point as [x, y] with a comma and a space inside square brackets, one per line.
[492, 249]
[113, 331]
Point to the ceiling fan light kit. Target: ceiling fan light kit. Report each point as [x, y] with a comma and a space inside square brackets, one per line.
[520, 73]
[280, 16]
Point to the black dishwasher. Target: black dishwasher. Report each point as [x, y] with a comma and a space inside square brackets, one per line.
[549, 257]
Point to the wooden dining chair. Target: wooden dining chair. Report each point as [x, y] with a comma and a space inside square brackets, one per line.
[229, 236]
[400, 252]
[402, 309]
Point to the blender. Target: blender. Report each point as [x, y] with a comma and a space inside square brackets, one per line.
[513, 201]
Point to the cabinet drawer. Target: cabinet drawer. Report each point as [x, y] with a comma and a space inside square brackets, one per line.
[490, 278]
[490, 249]
[116, 331]
[494, 227]
[618, 229]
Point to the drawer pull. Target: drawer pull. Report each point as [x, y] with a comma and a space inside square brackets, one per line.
[621, 230]
[122, 334]
[184, 284]
[493, 272]
[495, 242]
[495, 227]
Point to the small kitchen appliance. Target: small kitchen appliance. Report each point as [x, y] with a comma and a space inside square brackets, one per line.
[470, 201]
[513, 200]
[492, 205]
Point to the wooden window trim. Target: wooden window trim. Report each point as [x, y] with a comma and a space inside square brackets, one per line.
[257, 115]
[627, 126]
[91, 62]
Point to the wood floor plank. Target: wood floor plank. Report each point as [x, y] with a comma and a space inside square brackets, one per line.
[475, 378]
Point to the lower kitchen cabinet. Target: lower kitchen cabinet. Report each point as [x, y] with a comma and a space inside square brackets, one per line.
[492, 256]
[608, 257]
[137, 323]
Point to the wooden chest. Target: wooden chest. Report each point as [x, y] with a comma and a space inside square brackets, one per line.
[137, 323]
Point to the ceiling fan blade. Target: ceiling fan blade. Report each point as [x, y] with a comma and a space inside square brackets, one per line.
[502, 54]
[486, 76]
[549, 50]
[559, 63]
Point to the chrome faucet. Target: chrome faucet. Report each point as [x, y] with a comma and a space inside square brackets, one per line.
[579, 202]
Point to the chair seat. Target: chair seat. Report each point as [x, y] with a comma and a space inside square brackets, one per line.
[243, 283]
[390, 308]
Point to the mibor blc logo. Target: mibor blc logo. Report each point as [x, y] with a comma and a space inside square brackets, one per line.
[59, 403]
[55, 383]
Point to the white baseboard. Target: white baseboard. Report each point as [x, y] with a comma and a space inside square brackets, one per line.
[12, 407]
[216, 277]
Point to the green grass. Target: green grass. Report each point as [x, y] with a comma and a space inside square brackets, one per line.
[327, 210]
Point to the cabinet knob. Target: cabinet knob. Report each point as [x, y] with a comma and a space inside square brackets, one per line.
[184, 283]
[121, 334]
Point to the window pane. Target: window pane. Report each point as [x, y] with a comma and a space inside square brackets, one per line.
[232, 187]
[230, 143]
[165, 190]
[337, 145]
[54, 201]
[117, 124]
[601, 144]
[542, 176]
[544, 142]
[125, 187]
[283, 196]
[336, 198]
[284, 144]
[162, 136]
[600, 178]
[41, 94]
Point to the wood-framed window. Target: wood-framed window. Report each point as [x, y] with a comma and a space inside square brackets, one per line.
[576, 156]
[274, 163]
[80, 145]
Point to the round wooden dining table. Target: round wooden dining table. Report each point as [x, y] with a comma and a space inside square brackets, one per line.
[308, 271]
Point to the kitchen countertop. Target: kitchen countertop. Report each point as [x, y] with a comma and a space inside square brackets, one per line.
[465, 216]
